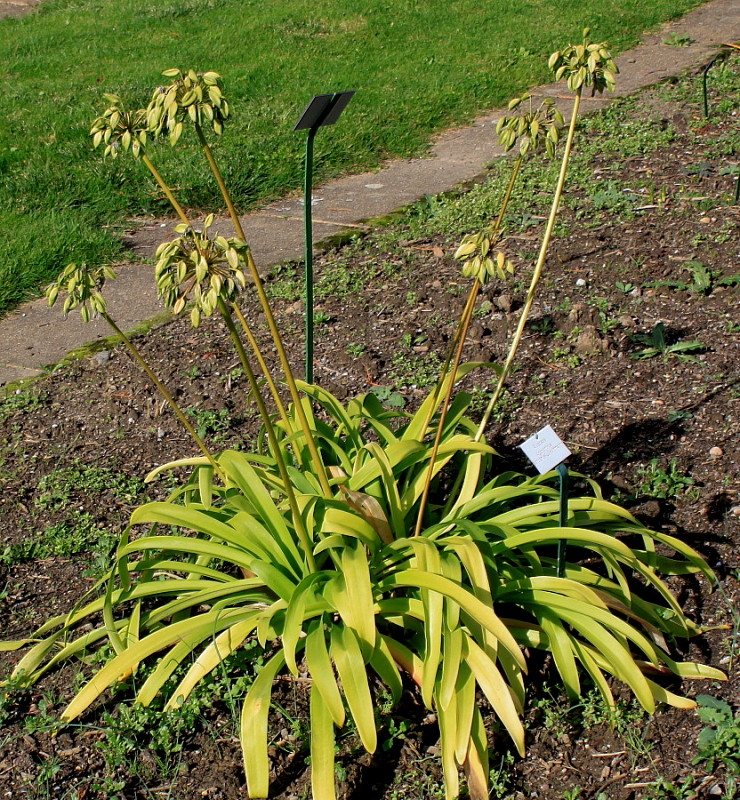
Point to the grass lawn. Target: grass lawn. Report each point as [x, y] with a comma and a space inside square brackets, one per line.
[418, 66]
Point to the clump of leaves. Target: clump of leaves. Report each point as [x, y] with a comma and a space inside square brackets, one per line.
[657, 344]
[702, 279]
[719, 741]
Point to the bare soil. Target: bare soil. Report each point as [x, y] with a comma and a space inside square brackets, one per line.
[629, 422]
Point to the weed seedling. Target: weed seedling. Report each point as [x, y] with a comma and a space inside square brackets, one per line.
[655, 481]
[657, 345]
[719, 741]
[677, 40]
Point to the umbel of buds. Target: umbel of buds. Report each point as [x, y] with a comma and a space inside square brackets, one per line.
[194, 95]
[83, 286]
[119, 129]
[200, 269]
[586, 64]
[480, 260]
[533, 129]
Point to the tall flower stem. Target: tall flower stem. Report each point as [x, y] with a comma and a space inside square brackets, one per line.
[475, 288]
[250, 337]
[264, 369]
[162, 389]
[537, 270]
[165, 188]
[270, 431]
[270, 319]
[457, 347]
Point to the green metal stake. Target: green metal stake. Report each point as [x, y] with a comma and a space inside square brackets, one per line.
[308, 253]
[322, 109]
[562, 471]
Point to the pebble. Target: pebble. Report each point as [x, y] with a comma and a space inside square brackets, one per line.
[101, 358]
[581, 282]
[715, 452]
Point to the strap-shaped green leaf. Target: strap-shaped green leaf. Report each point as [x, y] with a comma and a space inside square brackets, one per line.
[268, 546]
[418, 424]
[496, 691]
[219, 649]
[338, 519]
[428, 560]
[194, 629]
[382, 662]
[240, 471]
[560, 646]
[453, 648]
[390, 486]
[190, 517]
[253, 727]
[322, 673]
[295, 617]
[582, 536]
[447, 721]
[590, 660]
[358, 611]
[322, 747]
[469, 486]
[466, 708]
[481, 613]
[345, 652]
[446, 450]
[476, 760]
[400, 455]
[623, 664]
[336, 410]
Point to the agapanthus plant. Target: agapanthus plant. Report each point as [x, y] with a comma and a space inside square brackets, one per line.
[362, 546]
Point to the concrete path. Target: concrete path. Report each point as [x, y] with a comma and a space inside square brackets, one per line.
[35, 336]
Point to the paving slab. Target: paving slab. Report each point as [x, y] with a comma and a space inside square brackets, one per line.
[35, 336]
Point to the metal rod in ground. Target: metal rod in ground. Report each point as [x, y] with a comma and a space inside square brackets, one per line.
[308, 253]
[562, 471]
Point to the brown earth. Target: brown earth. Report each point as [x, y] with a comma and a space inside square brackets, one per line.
[607, 283]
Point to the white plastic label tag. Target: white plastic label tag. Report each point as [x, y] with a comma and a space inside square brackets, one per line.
[545, 449]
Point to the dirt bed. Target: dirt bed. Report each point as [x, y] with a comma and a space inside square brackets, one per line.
[659, 432]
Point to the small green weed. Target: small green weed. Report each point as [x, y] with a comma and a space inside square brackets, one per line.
[612, 199]
[656, 481]
[703, 279]
[74, 535]
[410, 369]
[657, 344]
[211, 423]
[389, 397]
[500, 777]
[719, 741]
[19, 400]
[57, 489]
[663, 789]
[677, 40]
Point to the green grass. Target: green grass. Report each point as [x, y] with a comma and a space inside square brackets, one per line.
[437, 64]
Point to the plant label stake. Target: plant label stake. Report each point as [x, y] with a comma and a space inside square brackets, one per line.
[322, 109]
[546, 450]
